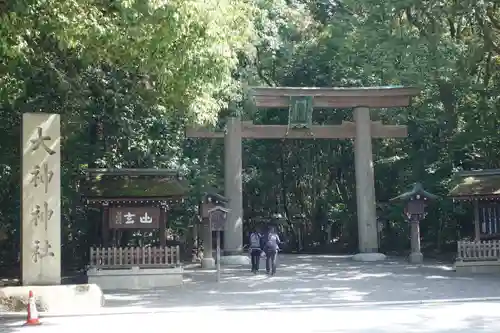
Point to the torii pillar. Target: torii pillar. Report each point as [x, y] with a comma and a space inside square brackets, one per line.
[362, 130]
[233, 188]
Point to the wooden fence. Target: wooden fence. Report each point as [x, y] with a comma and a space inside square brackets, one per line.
[478, 250]
[126, 257]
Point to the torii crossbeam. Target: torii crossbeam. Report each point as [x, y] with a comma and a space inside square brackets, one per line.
[347, 130]
[362, 130]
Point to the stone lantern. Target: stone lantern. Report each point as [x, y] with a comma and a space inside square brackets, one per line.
[416, 200]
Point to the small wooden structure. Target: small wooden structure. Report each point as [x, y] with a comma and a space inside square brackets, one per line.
[481, 251]
[134, 206]
[211, 199]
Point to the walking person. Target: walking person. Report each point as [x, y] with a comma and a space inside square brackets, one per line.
[255, 250]
[271, 248]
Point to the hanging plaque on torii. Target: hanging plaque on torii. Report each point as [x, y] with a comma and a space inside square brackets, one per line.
[300, 112]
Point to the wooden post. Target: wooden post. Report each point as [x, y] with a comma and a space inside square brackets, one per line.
[194, 250]
[218, 256]
[299, 236]
[329, 233]
[163, 223]
[477, 228]
[105, 224]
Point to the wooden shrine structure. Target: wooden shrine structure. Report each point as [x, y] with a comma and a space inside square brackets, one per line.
[300, 103]
[134, 205]
[481, 250]
[211, 199]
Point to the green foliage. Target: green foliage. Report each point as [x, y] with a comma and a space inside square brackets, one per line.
[126, 187]
[128, 76]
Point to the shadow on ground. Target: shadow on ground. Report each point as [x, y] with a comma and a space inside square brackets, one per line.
[395, 319]
[424, 324]
[10, 325]
[442, 318]
[314, 281]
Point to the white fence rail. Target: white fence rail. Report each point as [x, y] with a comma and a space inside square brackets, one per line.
[125, 257]
[478, 250]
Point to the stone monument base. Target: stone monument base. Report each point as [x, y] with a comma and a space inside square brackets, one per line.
[208, 263]
[416, 258]
[235, 260]
[136, 278]
[375, 256]
[71, 298]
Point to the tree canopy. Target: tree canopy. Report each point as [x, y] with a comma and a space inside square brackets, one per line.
[128, 76]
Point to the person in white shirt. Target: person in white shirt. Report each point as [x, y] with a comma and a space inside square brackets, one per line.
[271, 248]
[255, 250]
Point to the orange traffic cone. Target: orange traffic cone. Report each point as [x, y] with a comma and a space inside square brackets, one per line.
[32, 319]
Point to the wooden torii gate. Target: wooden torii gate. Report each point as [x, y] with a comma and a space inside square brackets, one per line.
[301, 102]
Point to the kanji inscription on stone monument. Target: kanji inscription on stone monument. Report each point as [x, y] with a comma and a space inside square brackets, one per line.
[42, 215]
[41, 176]
[41, 204]
[41, 250]
[40, 141]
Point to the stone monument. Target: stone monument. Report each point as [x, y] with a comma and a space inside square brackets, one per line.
[41, 223]
[41, 199]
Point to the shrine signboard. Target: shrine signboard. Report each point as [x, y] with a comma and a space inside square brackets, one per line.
[41, 199]
[134, 217]
[217, 217]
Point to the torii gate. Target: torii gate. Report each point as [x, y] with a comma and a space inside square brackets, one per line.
[301, 102]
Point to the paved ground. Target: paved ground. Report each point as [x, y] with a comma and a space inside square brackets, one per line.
[309, 294]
